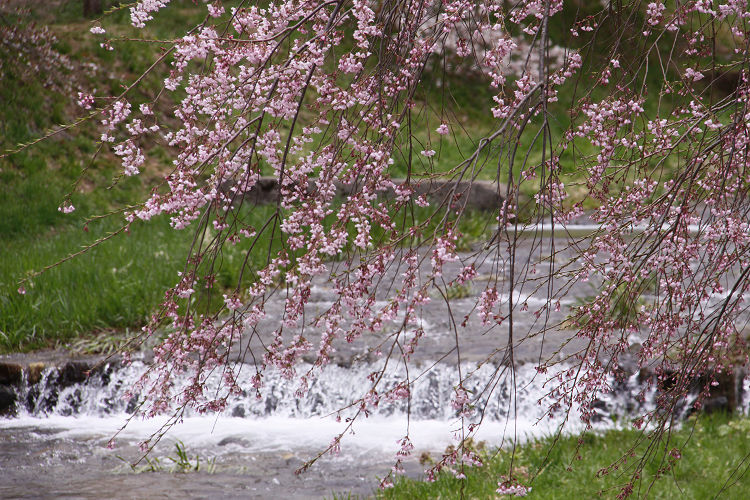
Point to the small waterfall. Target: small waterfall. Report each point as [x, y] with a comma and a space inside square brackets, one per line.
[262, 441]
[432, 391]
[280, 419]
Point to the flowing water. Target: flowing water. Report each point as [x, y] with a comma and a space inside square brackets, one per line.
[56, 444]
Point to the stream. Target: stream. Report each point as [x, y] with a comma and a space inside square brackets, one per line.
[55, 443]
[56, 446]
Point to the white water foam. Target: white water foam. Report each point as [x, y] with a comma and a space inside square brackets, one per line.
[281, 421]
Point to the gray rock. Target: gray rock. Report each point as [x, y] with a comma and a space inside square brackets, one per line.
[479, 195]
[234, 440]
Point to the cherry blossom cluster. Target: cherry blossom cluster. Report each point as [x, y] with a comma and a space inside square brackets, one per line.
[28, 52]
[321, 95]
[671, 258]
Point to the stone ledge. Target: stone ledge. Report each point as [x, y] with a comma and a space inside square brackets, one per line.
[13, 366]
[28, 368]
[479, 195]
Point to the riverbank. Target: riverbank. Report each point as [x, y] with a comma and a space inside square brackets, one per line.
[708, 457]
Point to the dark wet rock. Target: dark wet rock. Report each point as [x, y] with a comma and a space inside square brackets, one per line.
[716, 404]
[271, 402]
[132, 405]
[724, 397]
[73, 372]
[73, 402]
[10, 372]
[601, 410]
[236, 440]
[645, 375]
[343, 360]
[316, 402]
[7, 401]
[36, 379]
[39, 401]
[34, 371]
[719, 392]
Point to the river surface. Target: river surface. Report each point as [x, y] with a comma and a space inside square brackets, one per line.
[56, 445]
[62, 453]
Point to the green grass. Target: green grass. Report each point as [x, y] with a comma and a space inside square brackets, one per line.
[116, 285]
[714, 452]
[113, 286]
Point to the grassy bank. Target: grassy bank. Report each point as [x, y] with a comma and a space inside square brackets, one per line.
[714, 461]
[111, 288]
